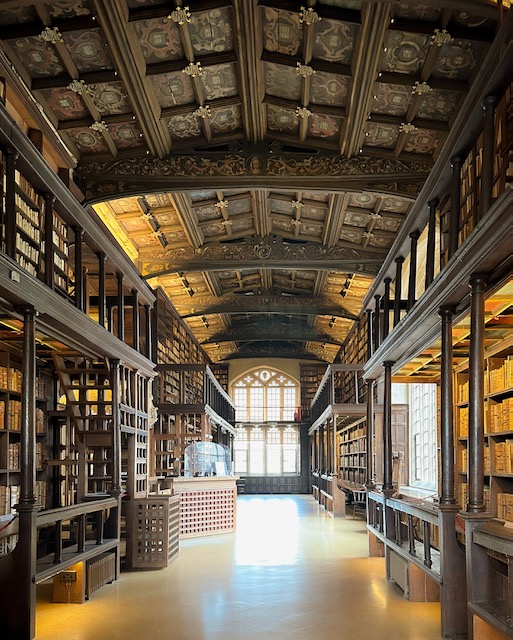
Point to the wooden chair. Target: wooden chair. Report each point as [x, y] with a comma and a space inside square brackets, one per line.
[359, 501]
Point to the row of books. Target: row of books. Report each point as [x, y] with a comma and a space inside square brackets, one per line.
[501, 416]
[464, 496]
[9, 497]
[12, 379]
[505, 506]
[13, 421]
[504, 456]
[487, 460]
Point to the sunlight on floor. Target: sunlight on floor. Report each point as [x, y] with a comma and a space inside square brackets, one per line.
[289, 573]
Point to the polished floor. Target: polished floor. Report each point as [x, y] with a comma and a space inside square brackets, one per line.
[289, 573]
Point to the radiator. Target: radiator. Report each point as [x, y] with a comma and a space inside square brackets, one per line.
[100, 570]
[398, 571]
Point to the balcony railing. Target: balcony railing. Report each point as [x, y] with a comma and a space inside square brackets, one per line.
[194, 388]
[341, 385]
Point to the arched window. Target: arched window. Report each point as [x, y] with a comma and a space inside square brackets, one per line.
[265, 395]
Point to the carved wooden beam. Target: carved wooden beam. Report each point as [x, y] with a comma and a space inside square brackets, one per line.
[274, 350]
[269, 253]
[243, 169]
[236, 304]
[273, 330]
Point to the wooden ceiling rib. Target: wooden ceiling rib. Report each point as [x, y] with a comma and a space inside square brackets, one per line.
[216, 133]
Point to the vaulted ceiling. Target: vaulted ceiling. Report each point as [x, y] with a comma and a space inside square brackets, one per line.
[256, 159]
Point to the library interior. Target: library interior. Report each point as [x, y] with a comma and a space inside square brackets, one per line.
[256, 319]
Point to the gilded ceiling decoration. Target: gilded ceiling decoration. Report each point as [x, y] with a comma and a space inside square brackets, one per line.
[255, 159]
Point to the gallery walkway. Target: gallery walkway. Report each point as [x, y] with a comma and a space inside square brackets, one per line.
[289, 573]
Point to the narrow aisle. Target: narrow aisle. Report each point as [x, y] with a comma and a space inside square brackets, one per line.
[290, 572]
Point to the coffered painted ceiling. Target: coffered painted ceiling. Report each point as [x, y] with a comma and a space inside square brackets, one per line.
[256, 159]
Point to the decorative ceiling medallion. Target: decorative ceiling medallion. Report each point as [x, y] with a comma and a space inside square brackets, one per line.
[421, 88]
[227, 223]
[99, 126]
[295, 223]
[51, 35]
[440, 38]
[296, 204]
[203, 112]
[181, 15]
[304, 70]
[407, 127]
[78, 86]
[308, 16]
[193, 69]
[303, 112]
[222, 204]
[375, 216]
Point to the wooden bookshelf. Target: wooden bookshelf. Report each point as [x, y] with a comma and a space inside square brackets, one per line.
[310, 379]
[10, 442]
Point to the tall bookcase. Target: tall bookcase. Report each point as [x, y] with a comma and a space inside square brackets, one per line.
[10, 440]
[310, 379]
[498, 439]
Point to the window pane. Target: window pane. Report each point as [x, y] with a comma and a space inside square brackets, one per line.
[290, 455]
[273, 459]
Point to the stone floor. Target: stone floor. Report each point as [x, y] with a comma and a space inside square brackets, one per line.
[290, 572]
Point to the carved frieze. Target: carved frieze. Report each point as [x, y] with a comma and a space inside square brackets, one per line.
[104, 179]
[271, 250]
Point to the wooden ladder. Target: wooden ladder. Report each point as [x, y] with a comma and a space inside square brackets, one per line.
[87, 386]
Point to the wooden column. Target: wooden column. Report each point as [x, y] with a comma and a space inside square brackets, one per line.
[369, 452]
[414, 237]
[148, 331]
[377, 322]
[398, 286]
[85, 292]
[116, 429]
[79, 268]
[446, 409]
[135, 319]
[430, 250]
[10, 202]
[26, 508]
[102, 296]
[370, 338]
[386, 308]
[454, 216]
[476, 396]
[322, 452]
[388, 487]
[49, 200]
[489, 104]
[121, 307]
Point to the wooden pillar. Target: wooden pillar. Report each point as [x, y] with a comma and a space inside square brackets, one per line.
[135, 319]
[79, 268]
[377, 322]
[116, 430]
[430, 250]
[148, 331]
[369, 451]
[26, 507]
[370, 340]
[398, 287]
[386, 308]
[446, 409]
[489, 104]
[476, 396]
[388, 487]
[10, 202]
[121, 307]
[85, 301]
[49, 280]
[454, 216]
[102, 296]
[414, 237]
